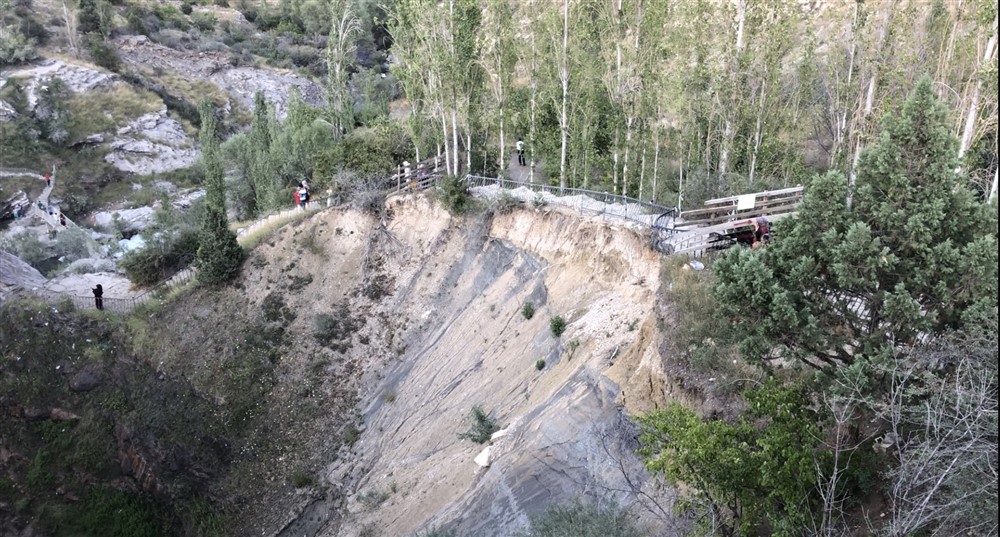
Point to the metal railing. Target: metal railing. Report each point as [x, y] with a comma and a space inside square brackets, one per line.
[584, 200]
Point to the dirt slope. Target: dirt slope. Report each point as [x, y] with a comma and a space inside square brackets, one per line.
[422, 320]
[453, 336]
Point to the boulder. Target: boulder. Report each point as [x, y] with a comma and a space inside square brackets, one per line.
[86, 379]
[483, 459]
[130, 245]
[19, 200]
[131, 220]
[15, 274]
[58, 414]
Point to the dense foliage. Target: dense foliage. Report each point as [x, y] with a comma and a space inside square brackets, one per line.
[909, 258]
[754, 472]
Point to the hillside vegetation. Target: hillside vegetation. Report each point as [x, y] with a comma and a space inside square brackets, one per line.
[437, 364]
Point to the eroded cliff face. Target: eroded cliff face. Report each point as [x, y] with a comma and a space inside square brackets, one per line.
[449, 334]
[342, 365]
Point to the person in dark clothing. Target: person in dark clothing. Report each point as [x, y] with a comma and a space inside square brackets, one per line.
[99, 297]
[62, 219]
[520, 152]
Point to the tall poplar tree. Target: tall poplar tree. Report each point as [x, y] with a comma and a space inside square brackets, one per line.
[219, 256]
[260, 174]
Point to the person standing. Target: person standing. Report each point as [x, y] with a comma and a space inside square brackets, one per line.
[48, 180]
[99, 297]
[520, 152]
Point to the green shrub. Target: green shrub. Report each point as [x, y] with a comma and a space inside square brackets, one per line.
[528, 310]
[301, 479]
[351, 434]
[558, 325]
[32, 29]
[15, 48]
[186, 9]
[455, 194]
[102, 53]
[161, 259]
[539, 364]
[483, 427]
[26, 246]
[334, 329]
[205, 21]
[505, 203]
[584, 520]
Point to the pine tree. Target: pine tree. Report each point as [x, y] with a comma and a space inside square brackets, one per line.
[260, 174]
[219, 255]
[915, 256]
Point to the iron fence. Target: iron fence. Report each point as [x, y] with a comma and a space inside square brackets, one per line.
[584, 200]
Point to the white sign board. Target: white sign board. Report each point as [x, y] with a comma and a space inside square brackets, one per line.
[745, 202]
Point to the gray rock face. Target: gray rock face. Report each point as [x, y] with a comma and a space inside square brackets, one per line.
[239, 82]
[78, 78]
[7, 112]
[244, 82]
[18, 201]
[86, 379]
[16, 274]
[132, 220]
[152, 143]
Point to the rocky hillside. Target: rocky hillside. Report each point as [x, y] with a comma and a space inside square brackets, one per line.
[341, 369]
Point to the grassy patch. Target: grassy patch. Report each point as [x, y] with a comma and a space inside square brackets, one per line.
[250, 240]
[302, 479]
[104, 111]
[372, 498]
[699, 334]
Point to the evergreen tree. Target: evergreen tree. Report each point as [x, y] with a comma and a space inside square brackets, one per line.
[915, 256]
[260, 172]
[219, 255]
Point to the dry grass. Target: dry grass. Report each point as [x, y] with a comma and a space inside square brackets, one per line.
[104, 111]
[250, 240]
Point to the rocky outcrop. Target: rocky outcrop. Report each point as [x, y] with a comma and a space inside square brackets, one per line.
[152, 143]
[15, 274]
[242, 83]
[130, 220]
[87, 378]
[78, 78]
[18, 202]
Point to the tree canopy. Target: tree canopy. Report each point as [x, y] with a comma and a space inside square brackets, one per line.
[914, 254]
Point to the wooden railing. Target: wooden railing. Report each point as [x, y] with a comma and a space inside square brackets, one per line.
[698, 231]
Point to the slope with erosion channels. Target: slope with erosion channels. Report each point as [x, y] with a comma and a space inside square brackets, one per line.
[342, 365]
[445, 332]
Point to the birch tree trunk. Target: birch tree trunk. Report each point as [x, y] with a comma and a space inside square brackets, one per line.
[861, 128]
[656, 157]
[534, 98]
[758, 128]
[973, 113]
[727, 131]
[840, 109]
[564, 78]
[444, 136]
